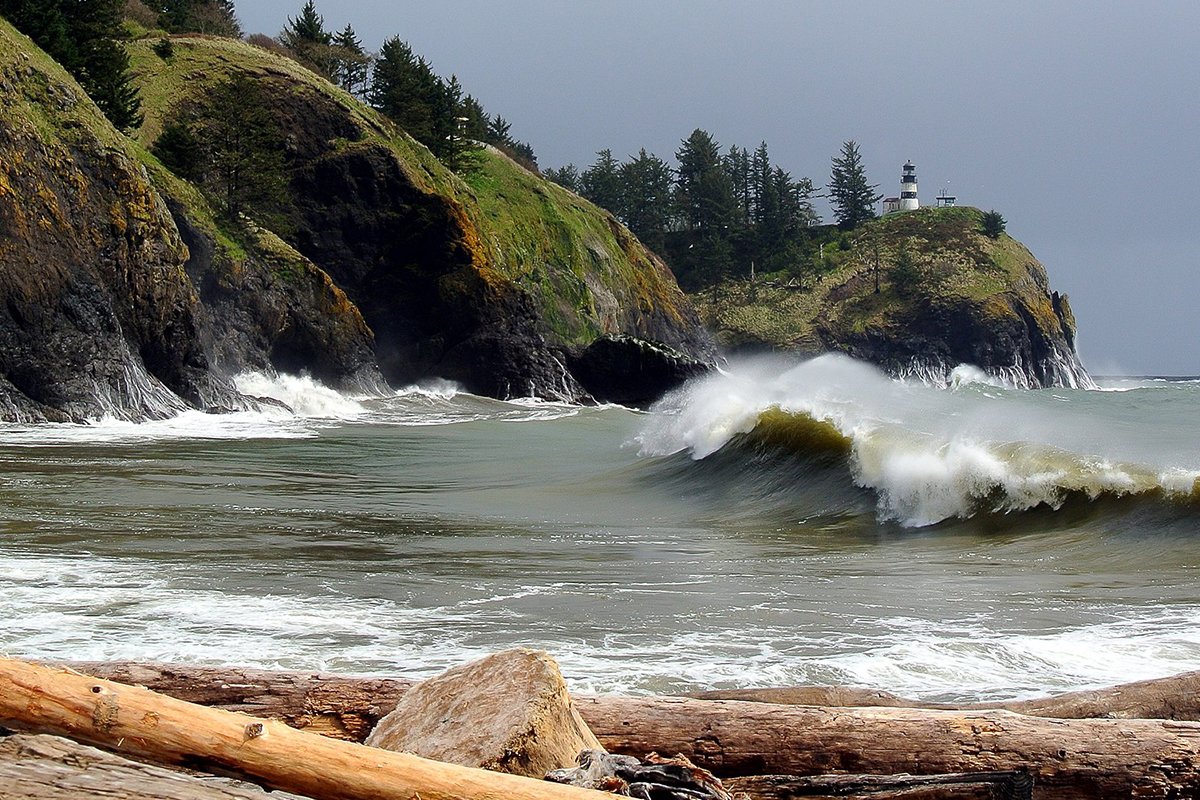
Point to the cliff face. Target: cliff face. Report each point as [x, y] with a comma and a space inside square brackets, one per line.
[96, 312]
[498, 281]
[963, 299]
[121, 294]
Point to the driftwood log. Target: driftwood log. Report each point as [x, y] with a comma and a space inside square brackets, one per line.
[38, 767]
[1090, 758]
[1175, 697]
[956, 786]
[348, 707]
[1069, 758]
[147, 725]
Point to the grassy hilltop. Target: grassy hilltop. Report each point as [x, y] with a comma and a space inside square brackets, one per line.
[922, 290]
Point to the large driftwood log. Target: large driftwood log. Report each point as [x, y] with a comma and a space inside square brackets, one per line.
[38, 767]
[1069, 758]
[348, 707]
[144, 724]
[332, 705]
[1175, 697]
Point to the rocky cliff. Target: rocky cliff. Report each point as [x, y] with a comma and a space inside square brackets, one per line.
[917, 293]
[498, 279]
[123, 292]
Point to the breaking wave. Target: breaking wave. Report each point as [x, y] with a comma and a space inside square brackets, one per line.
[930, 454]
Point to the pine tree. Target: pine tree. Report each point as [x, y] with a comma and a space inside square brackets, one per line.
[478, 121]
[406, 90]
[566, 176]
[703, 191]
[499, 132]
[852, 198]
[308, 40]
[213, 17]
[646, 188]
[601, 182]
[351, 64]
[737, 165]
[87, 37]
[244, 168]
[992, 223]
[904, 274]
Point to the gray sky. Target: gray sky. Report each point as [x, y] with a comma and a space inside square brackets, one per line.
[1078, 121]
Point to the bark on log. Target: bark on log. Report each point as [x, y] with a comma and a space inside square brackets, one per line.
[1175, 697]
[148, 725]
[332, 705]
[38, 767]
[1069, 758]
[955, 786]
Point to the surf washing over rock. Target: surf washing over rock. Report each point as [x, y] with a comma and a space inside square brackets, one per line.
[928, 453]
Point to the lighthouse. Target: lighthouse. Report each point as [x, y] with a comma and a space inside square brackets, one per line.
[908, 188]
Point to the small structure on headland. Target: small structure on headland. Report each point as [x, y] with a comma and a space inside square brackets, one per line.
[907, 201]
[908, 188]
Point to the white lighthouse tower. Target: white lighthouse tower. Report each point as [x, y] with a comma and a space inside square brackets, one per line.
[908, 188]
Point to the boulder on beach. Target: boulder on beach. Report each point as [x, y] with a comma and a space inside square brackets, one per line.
[508, 712]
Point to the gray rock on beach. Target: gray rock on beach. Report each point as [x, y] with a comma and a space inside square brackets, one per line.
[508, 712]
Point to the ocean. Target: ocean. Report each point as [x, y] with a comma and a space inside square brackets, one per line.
[781, 523]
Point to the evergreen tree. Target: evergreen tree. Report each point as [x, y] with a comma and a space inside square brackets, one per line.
[498, 132]
[350, 63]
[87, 37]
[179, 150]
[477, 120]
[244, 166]
[308, 40]
[703, 191]
[456, 149]
[904, 274]
[405, 88]
[737, 165]
[992, 224]
[566, 176]
[852, 198]
[522, 153]
[646, 184]
[215, 17]
[601, 182]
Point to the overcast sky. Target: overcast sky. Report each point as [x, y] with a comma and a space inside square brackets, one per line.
[1078, 121]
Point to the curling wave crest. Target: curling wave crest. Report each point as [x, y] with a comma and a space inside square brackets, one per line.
[932, 454]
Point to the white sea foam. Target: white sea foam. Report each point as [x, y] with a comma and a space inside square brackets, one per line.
[302, 394]
[106, 608]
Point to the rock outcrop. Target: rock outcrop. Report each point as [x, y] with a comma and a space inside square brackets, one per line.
[122, 295]
[507, 712]
[964, 299]
[97, 315]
